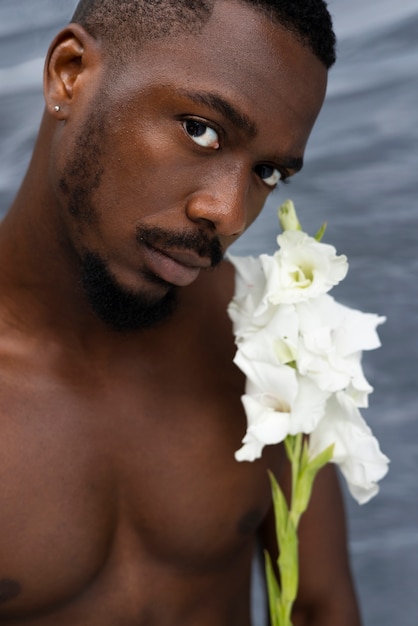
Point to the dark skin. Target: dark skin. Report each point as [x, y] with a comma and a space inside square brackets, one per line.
[121, 499]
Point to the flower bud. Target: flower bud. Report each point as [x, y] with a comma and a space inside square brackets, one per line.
[287, 216]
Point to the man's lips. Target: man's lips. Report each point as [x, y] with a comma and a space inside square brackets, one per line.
[177, 267]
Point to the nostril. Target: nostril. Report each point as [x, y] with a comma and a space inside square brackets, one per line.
[208, 224]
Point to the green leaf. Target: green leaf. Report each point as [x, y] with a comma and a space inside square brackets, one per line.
[281, 511]
[303, 493]
[321, 459]
[290, 446]
[307, 476]
[288, 564]
[304, 460]
[273, 591]
[321, 232]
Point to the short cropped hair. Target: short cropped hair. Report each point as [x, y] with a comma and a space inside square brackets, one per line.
[123, 24]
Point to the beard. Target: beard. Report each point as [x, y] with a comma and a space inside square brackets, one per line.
[118, 307]
[125, 310]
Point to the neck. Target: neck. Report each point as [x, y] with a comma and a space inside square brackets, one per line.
[40, 271]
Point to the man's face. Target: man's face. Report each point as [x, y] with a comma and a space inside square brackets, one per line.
[172, 161]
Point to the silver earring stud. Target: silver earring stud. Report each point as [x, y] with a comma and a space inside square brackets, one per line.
[57, 108]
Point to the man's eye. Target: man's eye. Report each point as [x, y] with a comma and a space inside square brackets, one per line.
[269, 175]
[202, 134]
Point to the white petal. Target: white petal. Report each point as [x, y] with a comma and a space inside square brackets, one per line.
[249, 276]
[357, 332]
[308, 408]
[275, 380]
[356, 451]
[250, 451]
[329, 347]
[266, 425]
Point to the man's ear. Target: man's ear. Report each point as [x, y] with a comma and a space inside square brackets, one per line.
[72, 54]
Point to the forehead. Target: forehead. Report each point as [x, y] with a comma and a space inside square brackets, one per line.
[240, 54]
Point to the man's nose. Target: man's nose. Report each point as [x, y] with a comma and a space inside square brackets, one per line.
[222, 202]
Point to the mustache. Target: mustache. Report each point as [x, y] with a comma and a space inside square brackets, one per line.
[199, 242]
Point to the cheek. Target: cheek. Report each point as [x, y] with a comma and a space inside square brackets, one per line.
[256, 201]
[253, 215]
[144, 175]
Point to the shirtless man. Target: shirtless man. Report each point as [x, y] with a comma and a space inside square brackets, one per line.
[166, 126]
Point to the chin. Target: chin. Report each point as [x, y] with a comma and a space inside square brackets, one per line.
[119, 307]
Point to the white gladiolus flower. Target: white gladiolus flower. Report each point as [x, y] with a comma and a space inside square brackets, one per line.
[271, 418]
[301, 269]
[300, 351]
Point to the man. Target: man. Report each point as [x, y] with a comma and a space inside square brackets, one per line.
[167, 125]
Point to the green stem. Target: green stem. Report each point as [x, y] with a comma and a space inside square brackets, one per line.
[282, 596]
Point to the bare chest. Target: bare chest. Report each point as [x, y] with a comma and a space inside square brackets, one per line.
[133, 474]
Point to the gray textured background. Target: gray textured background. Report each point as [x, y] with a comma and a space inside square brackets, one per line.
[361, 176]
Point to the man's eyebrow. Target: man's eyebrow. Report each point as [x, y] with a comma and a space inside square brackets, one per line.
[219, 103]
[294, 164]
